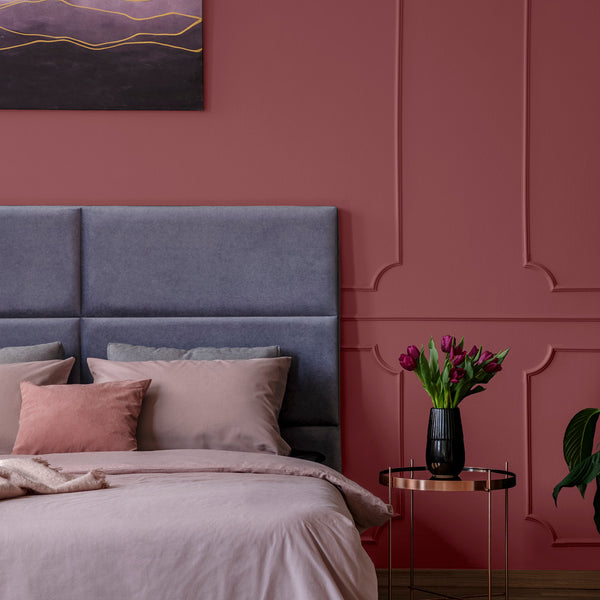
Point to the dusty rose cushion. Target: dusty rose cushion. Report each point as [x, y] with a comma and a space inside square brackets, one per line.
[218, 404]
[42, 372]
[98, 417]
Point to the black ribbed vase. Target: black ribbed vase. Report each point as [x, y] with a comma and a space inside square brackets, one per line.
[445, 453]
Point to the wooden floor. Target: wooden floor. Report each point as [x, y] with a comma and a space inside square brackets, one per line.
[514, 594]
[523, 585]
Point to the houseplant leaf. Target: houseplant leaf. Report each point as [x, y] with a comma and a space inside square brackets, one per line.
[597, 505]
[581, 474]
[579, 438]
[434, 367]
[502, 355]
[475, 390]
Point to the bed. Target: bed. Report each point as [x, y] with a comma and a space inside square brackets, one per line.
[204, 387]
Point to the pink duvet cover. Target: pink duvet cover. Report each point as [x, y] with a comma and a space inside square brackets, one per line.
[191, 524]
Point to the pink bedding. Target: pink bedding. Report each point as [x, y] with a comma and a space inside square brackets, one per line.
[191, 524]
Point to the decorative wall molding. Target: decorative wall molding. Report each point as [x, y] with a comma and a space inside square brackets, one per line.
[474, 319]
[373, 535]
[528, 262]
[397, 260]
[557, 542]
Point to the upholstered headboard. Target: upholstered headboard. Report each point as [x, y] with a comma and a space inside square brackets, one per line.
[184, 277]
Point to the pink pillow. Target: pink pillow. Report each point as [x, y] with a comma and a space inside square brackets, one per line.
[79, 418]
[218, 404]
[42, 372]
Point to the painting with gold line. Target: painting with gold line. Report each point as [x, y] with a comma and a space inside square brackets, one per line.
[101, 54]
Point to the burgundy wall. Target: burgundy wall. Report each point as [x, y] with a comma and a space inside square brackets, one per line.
[459, 138]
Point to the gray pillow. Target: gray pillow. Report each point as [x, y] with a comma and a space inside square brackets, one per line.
[129, 353]
[21, 354]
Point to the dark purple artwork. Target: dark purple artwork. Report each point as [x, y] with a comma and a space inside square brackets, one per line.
[101, 54]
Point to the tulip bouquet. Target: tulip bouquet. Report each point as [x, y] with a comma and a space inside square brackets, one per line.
[461, 375]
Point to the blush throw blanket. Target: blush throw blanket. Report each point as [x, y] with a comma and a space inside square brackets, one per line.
[18, 476]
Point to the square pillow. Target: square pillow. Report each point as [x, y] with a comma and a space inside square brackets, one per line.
[19, 354]
[97, 417]
[218, 404]
[129, 353]
[43, 372]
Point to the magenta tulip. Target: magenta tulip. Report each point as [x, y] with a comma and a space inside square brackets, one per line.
[447, 343]
[456, 375]
[458, 359]
[492, 367]
[484, 356]
[473, 352]
[407, 362]
[413, 352]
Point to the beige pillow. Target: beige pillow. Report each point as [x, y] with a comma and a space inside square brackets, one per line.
[218, 404]
[40, 372]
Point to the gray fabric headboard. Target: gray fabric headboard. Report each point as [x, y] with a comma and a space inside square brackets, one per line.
[184, 277]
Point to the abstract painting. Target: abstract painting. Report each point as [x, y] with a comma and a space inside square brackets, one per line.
[101, 54]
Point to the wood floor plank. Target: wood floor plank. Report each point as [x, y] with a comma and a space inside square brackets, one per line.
[523, 585]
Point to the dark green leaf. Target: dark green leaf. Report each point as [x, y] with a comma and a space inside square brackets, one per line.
[580, 475]
[475, 390]
[434, 367]
[501, 356]
[579, 437]
[468, 368]
[446, 373]
[597, 505]
[423, 367]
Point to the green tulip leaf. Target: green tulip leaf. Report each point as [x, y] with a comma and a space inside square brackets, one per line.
[446, 374]
[501, 356]
[475, 390]
[580, 475]
[423, 369]
[434, 367]
[469, 369]
[579, 438]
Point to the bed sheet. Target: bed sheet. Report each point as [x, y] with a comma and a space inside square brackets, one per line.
[191, 524]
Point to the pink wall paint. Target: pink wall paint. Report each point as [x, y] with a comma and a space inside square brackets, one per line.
[459, 140]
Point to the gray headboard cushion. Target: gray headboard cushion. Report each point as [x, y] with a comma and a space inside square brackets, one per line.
[209, 261]
[39, 262]
[185, 277]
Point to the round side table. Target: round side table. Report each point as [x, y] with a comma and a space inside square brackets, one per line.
[472, 479]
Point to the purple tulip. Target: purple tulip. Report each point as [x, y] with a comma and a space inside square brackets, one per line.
[473, 352]
[492, 367]
[413, 352]
[407, 362]
[456, 375]
[447, 343]
[458, 359]
[484, 356]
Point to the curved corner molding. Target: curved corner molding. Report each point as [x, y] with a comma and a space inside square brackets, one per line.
[545, 525]
[562, 542]
[557, 541]
[397, 260]
[398, 451]
[380, 273]
[383, 363]
[525, 191]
